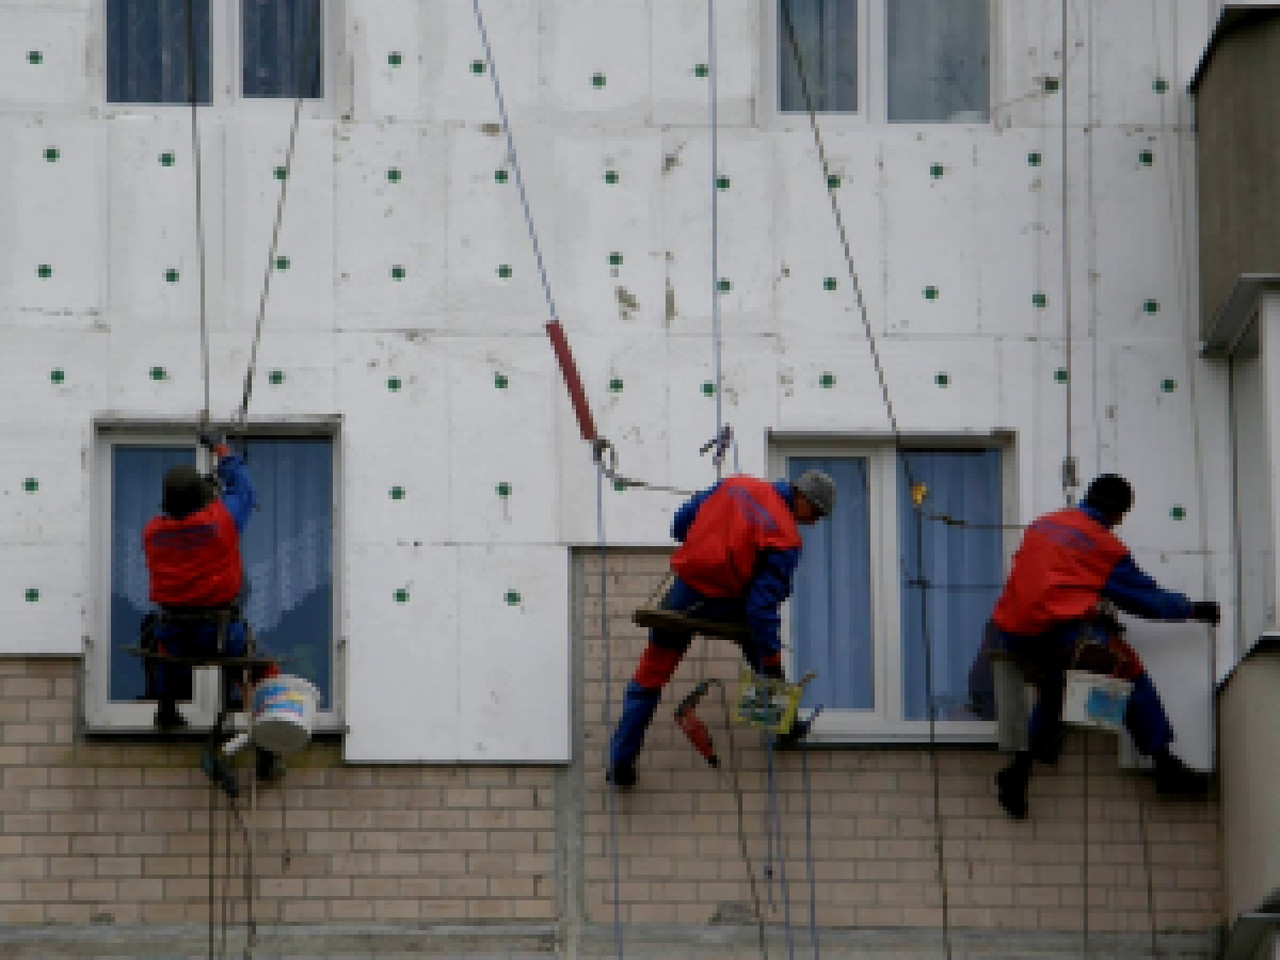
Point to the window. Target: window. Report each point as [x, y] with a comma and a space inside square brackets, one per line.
[918, 61]
[287, 550]
[281, 49]
[879, 579]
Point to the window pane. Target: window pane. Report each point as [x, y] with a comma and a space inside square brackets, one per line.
[136, 472]
[831, 604]
[283, 48]
[147, 51]
[826, 31]
[938, 63]
[951, 575]
[288, 556]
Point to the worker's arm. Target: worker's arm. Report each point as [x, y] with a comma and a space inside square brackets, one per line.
[769, 588]
[683, 519]
[1135, 592]
[237, 489]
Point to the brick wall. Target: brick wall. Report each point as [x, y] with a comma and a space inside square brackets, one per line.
[873, 830]
[100, 832]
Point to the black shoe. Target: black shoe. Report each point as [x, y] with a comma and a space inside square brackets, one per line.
[168, 719]
[1175, 779]
[269, 767]
[221, 775]
[799, 730]
[622, 775]
[1011, 788]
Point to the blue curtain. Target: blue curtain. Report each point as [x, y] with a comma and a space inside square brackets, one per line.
[827, 35]
[282, 48]
[831, 603]
[147, 51]
[950, 574]
[938, 61]
[287, 551]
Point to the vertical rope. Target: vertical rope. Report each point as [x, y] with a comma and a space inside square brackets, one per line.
[717, 346]
[808, 847]
[607, 667]
[784, 893]
[1146, 863]
[200, 245]
[1084, 871]
[1068, 469]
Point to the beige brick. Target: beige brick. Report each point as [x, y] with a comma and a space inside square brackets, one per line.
[96, 890]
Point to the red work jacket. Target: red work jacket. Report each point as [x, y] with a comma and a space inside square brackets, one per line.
[1058, 572]
[741, 517]
[195, 561]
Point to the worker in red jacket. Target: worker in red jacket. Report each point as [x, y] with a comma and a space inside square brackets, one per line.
[193, 559]
[1069, 561]
[739, 547]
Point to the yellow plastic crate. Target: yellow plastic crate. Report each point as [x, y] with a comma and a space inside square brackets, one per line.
[769, 705]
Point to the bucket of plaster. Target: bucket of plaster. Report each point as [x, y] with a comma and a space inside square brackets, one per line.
[284, 710]
[1094, 700]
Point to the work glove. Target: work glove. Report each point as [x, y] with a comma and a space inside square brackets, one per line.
[1206, 611]
[771, 667]
[214, 442]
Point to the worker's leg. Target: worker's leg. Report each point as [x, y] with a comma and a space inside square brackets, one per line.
[1145, 718]
[172, 680]
[640, 701]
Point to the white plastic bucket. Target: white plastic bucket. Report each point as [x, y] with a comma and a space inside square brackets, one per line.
[284, 709]
[1093, 700]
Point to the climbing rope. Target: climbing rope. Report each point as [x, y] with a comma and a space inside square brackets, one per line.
[200, 245]
[311, 53]
[607, 668]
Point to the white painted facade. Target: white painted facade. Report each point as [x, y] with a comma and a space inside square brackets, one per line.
[458, 672]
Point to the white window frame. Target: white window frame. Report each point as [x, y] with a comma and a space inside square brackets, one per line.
[101, 715]
[226, 68]
[885, 723]
[873, 84]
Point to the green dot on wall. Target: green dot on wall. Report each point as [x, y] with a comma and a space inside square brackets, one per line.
[499, 176]
[31, 484]
[619, 486]
[931, 293]
[722, 183]
[393, 174]
[57, 375]
[708, 389]
[611, 177]
[32, 595]
[827, 380]
[701, 70]
[166, 159]
[35, 57]
[942, 379]
[598, 81]
[1034, 158]
[833, 182]
[159, 373]
[402, 595]
[504, 271]
[615, 259]
[1151, 306]
[503, 489]
[935, 170]
[395, 58]
[615, 385]
[393, 384]
[1160, 85]
[275, 377]
[1168, 385]
[282, 263]
[477, 67]
[512, 597]
[1050, 84]
[1038, 299]
[44, 271]
[279, 173]
[51, 154]
[724, 285]
[397, 493]
[1060, 375]
[1146, 158]
[397, 272]
[171, 275]
[829, 283]
[1178, 512]
[500, 381]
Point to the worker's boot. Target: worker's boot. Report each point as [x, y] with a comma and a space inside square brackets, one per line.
[167, 718]
[621, 775]
[1175, 779]
[1011, 786]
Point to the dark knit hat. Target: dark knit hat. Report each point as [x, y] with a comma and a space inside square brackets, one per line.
[184, 492]
[1110, 493]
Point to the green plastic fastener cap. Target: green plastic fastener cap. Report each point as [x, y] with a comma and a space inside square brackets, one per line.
[598, 80]
[611, 177]
[32, 595]
[402, 595]
[942, 379]
[35, 57]
[393, 383]
[477, 67]
[615, 385]
[833, 182]
[158, 373]
[279, 173]
[1039, 299]
[51, 154]
[57, 375]
[829, 283]
[393, 174]
[931, 292]
[1168, 385]
[1060, 375]
[500, 381]
[397, 493]
[935, 170]
[44, 271]
[397, 272]
[827, 380]
[724, 285]
[31, 484]
[512, 597]
[1178, 512]
[708, 389]
[275, 377]
[504, 271]
[166, 159]
[395, 58]
[503, 489]
[171, 275]
[1034, 158]
[282, 263]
